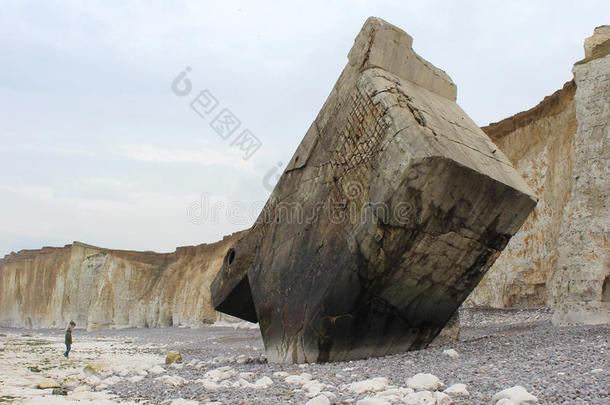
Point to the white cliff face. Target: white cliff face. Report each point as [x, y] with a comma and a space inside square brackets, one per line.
[100, 288]
[540, 144]
[579, 290]
[560, 257]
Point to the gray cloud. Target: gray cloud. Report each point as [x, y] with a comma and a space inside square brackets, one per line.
[96, 147]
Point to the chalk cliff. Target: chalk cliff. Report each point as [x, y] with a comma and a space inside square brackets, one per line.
[101, 288]
[560, 256]
[540, 144]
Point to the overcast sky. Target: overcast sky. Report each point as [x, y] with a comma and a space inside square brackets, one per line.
[96, 146]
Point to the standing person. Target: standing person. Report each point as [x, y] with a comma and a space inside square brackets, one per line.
[68, 339]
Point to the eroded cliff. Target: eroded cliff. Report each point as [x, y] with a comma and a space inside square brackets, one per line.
[540, 144]
[100, 288]
[560, 256]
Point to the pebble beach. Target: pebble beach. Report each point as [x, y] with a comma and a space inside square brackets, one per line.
[502, 357]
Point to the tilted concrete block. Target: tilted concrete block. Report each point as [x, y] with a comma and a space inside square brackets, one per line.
[391, 210]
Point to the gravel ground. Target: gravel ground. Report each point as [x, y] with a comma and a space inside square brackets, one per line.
[498, 349]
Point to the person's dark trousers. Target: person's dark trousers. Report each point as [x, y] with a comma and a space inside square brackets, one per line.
[67, 350]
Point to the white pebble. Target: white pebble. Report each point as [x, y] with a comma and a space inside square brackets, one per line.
[263, 382]
[220, 374]
[457, 390]
[319, 400]
[517, 394]
[172, 380]
[328, 394]
[442, 398]
[424, 382]
[394, 394]
[313, 388]
[372, 385]
[241, 383]
[246, 375]
[209, 385]
[451, 353]
[420, 398]
[298, 379]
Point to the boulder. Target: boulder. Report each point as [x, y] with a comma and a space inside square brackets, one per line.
[173, 357]
[392, 208]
